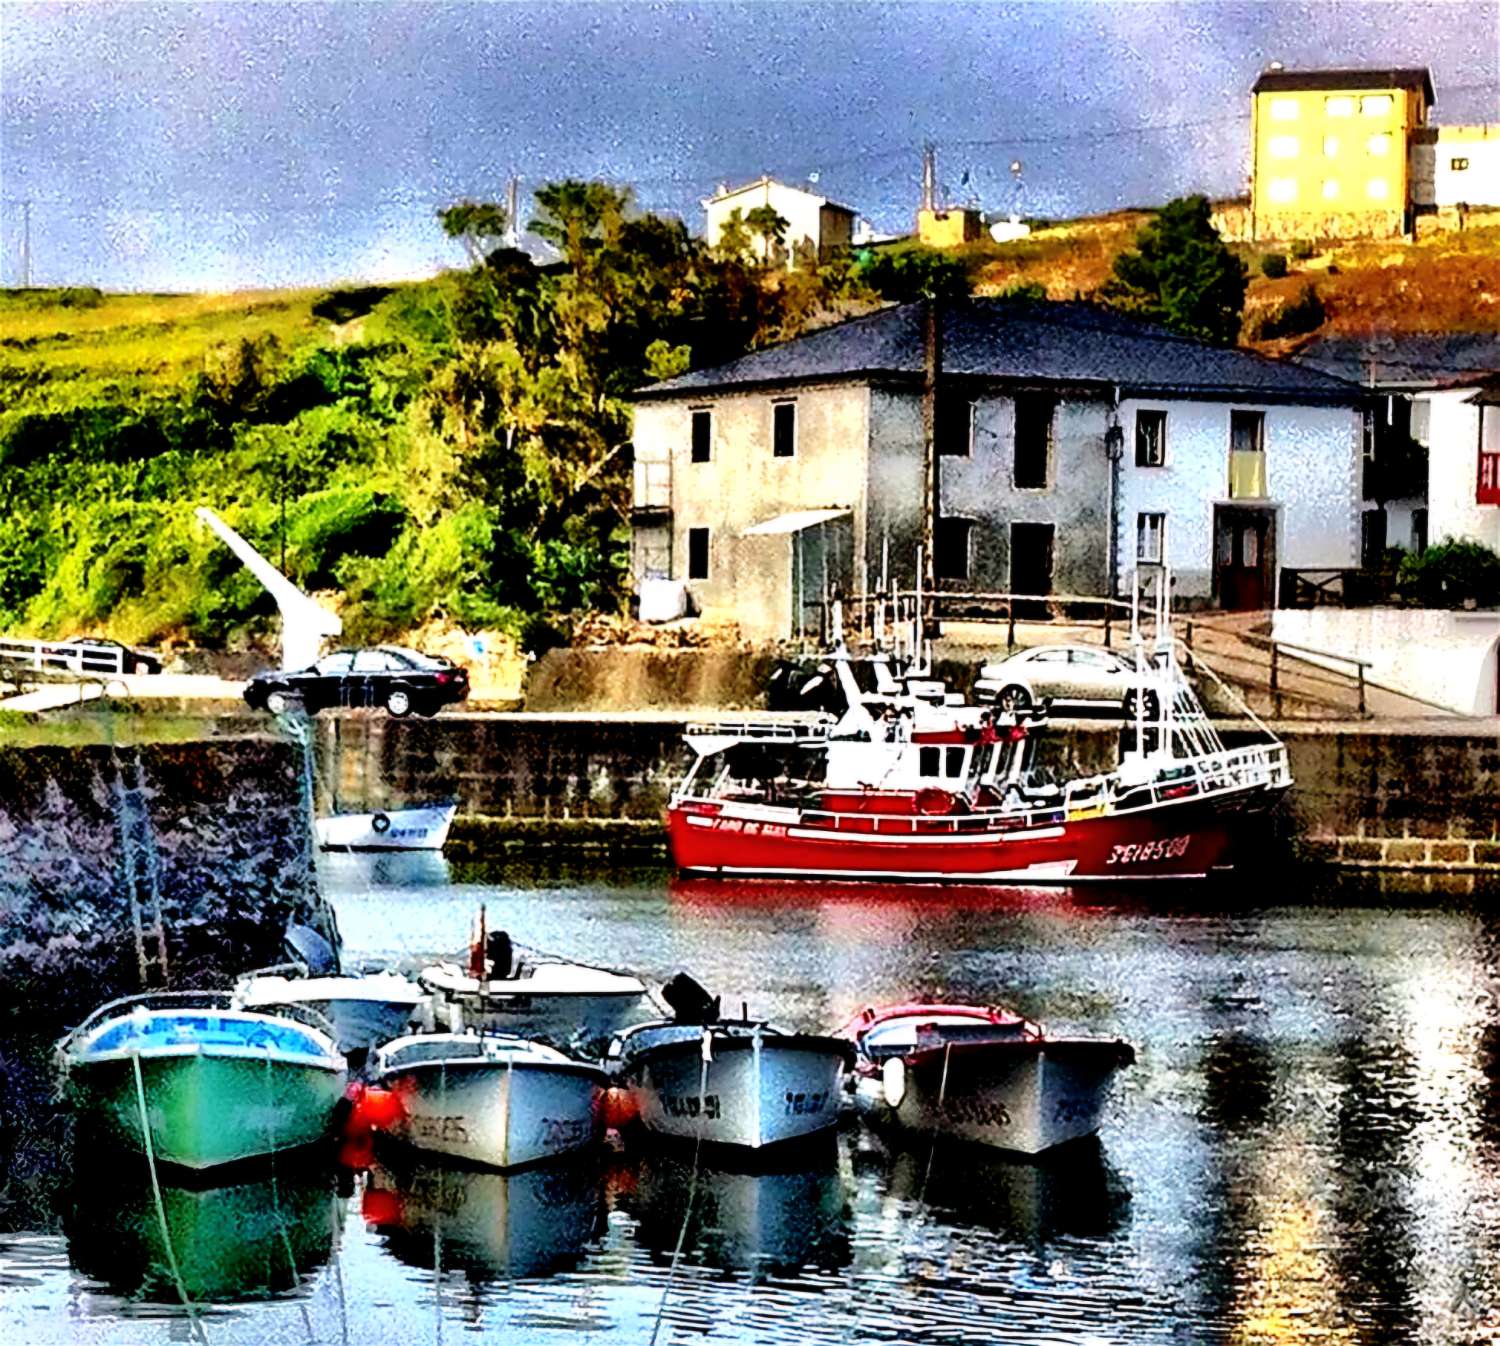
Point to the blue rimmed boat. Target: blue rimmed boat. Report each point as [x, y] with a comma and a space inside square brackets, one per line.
[197, 1083]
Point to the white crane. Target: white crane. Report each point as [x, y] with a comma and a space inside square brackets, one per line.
[305, 624]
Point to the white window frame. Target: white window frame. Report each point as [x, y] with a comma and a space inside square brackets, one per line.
[1161, 443]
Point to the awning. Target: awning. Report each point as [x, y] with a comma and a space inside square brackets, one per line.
[794, 522]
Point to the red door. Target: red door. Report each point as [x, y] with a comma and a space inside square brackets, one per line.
[1242, 559]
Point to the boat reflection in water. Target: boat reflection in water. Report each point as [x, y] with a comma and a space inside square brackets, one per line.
[767, 1222]
[258, 1235]
[1072, 1192]
[384, 869]
[531, 1224]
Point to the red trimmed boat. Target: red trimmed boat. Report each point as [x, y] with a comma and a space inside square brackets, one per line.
[910, 786]
[987, 1075]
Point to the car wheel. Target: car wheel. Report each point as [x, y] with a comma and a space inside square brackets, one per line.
[1013, 698]
[1152, 705]
[398, 701]
[278, 702]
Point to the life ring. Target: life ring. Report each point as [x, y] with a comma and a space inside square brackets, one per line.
[932, 800]
[380, 823]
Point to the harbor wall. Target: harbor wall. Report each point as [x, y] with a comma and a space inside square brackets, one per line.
[1405, 797]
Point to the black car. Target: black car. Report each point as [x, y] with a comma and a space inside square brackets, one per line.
[96, 655]
[400, 680]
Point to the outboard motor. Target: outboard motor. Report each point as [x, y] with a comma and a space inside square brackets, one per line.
[310, 949]
[690, 1003]
[499, 955]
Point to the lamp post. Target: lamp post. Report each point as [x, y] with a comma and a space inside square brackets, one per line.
[1114, 451]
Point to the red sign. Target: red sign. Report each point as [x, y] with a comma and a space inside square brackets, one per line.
[1489, 479]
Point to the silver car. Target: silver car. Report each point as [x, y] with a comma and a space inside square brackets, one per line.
[1071, 677]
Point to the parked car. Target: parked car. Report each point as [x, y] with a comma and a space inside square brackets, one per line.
[387, 675]
[1070, 677]
[96, 655]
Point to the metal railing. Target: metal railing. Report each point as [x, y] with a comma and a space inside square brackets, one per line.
[77, 657]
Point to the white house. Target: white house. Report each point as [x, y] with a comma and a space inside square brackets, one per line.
[1455, 166]
[1071, 443]
[812, 220]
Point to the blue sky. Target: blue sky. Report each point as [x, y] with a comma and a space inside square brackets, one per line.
[236, 145]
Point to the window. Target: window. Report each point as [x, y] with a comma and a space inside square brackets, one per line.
[1149, 531]
[1283, 147]
[1377, 189]
[703, 435]
[371, 661]
[1033, 454]
[1379, 144]
[1330, 189]
[1247, 454]
[955, 429]
[783, 429]
[950, 548]
[1055, 656]
[334, 663]
[929, 761]
[1340, 105]
[1284, 109]
[1150, 438]
[1283, 189]
[954, 759]
[1458, 165]
[1375, 105]
[1421, 420]
[1330, 146]
[1419, 531]
[697, 554]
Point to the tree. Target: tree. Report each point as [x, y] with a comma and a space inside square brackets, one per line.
[476, 223]
[904, 274]
[1182, 275]
[770, 228]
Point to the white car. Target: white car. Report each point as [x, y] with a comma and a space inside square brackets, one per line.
[1070, 677]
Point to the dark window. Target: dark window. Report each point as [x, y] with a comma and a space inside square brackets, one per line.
[950, 549]
[1150, 438]
[1419, 531]
[1033, 441]
[929, 761]
[1458, 165]
[953, 761]
[1372, 538]
[1031, 558]
[783, 429]
[955, 429]
[1247, 431]
[703, 432]
[697, 553]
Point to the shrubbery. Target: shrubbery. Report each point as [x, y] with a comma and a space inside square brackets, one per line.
[1462, 573]
[1303, 314]
[1273, 265]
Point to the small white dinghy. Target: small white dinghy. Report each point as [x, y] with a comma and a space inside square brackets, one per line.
[501, 1102]
[418, 829]
[566, 1004]
[734, 1082]
[364, 1010]
[981, 1074]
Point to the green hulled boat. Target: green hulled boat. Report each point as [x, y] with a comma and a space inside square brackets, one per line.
[215, 1085]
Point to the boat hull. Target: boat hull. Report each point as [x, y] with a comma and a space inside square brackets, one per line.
[420, 829]
[585, 1017]
[757, 1092]
[1024, 1097]
[498, 1114]
[1172, 840]
[207, 1110]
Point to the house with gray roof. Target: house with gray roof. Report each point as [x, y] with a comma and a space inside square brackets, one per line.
[1072, 444]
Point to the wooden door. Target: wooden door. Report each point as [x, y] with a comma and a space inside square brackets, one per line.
[1242, 559]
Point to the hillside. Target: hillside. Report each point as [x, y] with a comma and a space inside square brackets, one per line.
[1444, 283]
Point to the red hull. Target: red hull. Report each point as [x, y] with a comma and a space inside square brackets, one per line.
[1175, 840]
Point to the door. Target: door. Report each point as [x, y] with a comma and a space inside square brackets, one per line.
[1243, 545]
[1031, 565]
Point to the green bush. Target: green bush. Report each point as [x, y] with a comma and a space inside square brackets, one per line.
[1303, 314]
[907, 273]
[1273, 265]
[1301, 250]
[1462, 573]
[1026, 291]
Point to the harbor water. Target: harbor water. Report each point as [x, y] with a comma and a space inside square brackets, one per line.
[1306, 1149]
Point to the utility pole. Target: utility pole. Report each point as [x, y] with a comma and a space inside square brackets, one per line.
[929, 176]
[931, 477]
[26, 244]
[513, 207]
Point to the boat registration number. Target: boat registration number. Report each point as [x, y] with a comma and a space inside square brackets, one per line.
[451, 1129]
[805, 1105]
[977, 1111]
[690, 1105]
[1168, 848]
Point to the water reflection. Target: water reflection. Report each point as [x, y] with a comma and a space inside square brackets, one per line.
[358, 870]
[767, 1222]
[248, 1239]
[1075, 1192]
[490, 1226]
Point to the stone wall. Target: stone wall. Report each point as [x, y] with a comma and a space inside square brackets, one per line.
[217, 832]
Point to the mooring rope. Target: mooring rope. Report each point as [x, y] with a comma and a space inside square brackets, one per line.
[687, 1214]
[932, 1135]
[285, 1239]
[161, 1210]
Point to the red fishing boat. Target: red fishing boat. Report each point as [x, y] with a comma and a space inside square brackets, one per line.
[913, 787]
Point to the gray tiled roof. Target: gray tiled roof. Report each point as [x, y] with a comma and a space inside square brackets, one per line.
[1018, 342]
[1419, 360]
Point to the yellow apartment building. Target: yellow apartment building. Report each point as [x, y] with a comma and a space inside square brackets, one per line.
[1330, 152]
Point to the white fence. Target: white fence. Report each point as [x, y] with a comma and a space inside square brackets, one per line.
[56, 656]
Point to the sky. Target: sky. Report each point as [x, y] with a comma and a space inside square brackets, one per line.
[242, 145]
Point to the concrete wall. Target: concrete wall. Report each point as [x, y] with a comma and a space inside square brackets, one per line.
[1445, 657]
[1312, 474]
[1453, 468]
[750, 579]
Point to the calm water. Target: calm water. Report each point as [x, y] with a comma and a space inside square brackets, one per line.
[1308, 1148]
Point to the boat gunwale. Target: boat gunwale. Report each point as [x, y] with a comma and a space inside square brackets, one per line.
[385, 1071]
